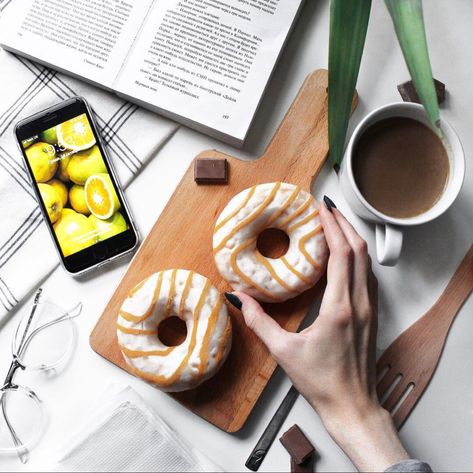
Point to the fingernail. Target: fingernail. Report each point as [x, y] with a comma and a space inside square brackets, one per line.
[336, 167]
[234, 300]
[329, 203]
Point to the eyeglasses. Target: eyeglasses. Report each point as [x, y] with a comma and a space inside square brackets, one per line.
[43, 341]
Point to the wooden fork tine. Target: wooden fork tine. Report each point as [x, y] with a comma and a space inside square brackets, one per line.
[395, 395]
[386, 382]
[406, 407]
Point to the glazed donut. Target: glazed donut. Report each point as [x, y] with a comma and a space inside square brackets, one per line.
[273, 205]
[192, 298]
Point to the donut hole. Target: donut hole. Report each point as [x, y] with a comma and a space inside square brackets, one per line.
[172, 331]
[273, 243]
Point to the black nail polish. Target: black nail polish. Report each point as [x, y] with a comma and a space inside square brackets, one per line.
[234, 300]
[336, 167]
[329, 203]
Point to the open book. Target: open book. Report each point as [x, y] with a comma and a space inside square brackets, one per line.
[203, 63]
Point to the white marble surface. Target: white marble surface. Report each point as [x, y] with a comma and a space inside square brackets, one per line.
[440, 430]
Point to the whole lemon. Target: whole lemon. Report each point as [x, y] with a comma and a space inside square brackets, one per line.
[110, 227]
[65, 212]
[77, 198]
[42, 159]
[52, 201]
[75, 232]
[60, 188]
[49, 136]
[85, 163]
[62, 168]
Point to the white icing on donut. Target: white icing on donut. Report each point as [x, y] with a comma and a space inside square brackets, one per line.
[191, 297]
[273, 205]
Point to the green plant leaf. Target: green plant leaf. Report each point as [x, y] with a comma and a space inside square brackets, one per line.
[408, 22]
[348, 26]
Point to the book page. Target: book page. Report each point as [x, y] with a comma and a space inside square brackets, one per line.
[207, 61]
[88, 38]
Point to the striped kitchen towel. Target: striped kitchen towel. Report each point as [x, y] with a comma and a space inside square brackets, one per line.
[133, 136]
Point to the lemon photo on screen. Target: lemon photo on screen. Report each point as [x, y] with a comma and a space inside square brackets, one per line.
[100, 196]
[42, 160]
[76, 134]
[74, 184]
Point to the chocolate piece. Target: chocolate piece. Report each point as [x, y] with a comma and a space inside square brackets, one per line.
[306, 466]
[297, 444]
[211, 171]
[409, 93]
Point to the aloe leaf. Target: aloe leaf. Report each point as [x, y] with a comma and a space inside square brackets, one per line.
[408, 22]
[348, 25]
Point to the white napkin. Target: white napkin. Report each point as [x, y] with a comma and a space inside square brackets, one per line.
[123, 433]
[132, 134]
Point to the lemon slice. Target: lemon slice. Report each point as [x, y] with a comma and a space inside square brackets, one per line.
[75, 134]
[100, 196]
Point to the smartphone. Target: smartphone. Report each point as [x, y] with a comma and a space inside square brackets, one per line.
[76, 186]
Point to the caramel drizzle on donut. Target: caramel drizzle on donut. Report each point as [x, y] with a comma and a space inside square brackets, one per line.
[150, 309]
[212, 322]
[250, 218]
[296, 213]
[140, 353]
[261, 258]
[185, 292]
[166, 381]
[303, 221]
[172, 292]
[294, 271]
[143, 353]
[223, 341]
[243, 205]
[272, 271]
[283, 224]
[136, 331]
[138, 287]
[242, 275]
[302, 242]
[283, 208]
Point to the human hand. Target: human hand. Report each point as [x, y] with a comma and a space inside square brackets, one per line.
[332, 363]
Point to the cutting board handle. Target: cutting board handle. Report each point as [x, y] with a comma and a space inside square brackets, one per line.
[303, 135]
[299, 146]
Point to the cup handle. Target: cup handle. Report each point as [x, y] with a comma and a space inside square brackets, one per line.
[388, 244]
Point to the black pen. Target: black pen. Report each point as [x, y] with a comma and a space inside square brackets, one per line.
[261, 449]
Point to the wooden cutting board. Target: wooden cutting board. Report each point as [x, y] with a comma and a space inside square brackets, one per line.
[182, 238]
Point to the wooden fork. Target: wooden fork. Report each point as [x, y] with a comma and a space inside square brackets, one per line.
[407, 365]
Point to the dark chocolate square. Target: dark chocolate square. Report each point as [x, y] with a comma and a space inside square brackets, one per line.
[409, 93]
[297, 444]
[211, 171]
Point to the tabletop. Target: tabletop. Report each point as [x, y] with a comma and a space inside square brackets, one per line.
[440, 429]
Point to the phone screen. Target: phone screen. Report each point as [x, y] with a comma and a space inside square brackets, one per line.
[75, 185]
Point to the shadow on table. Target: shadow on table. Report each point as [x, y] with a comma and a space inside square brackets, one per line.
[432, 248]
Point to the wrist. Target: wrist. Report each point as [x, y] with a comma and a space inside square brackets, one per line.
[367, 435]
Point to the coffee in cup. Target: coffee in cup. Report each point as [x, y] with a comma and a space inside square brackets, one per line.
[401, 167]
[397, 172]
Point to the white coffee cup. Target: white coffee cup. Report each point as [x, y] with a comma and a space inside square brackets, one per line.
[389, 230]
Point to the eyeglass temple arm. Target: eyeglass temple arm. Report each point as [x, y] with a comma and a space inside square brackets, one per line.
[22, 452]
[15, 364]
[74, 312]
[30, 318]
